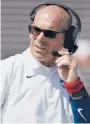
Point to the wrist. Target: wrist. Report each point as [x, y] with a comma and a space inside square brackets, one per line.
[72, 79]
[75, 86]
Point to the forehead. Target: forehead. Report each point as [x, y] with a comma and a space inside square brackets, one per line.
[47, 20]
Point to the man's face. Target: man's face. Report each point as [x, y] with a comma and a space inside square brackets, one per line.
[41, 44]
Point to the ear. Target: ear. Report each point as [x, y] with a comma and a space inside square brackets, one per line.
[30, 36]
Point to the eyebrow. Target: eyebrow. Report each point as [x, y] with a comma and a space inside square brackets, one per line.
[43, 28]
[63, 31]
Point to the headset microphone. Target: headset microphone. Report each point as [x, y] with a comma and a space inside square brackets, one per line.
[55, 53]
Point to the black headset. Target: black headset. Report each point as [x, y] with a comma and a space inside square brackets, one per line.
[73, 30]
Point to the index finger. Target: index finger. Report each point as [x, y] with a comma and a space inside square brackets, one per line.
[63, 53]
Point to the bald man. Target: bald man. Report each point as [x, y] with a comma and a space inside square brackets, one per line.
[46, 19]
[38, 87]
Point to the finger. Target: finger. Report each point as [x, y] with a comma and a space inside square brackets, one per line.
[64, 49]
[63, 53]
[64, 63]
[67, 57]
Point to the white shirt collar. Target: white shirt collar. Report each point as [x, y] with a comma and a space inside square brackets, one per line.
[32, 62]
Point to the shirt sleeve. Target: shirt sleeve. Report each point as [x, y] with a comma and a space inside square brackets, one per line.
[81, 110]
[6, 69]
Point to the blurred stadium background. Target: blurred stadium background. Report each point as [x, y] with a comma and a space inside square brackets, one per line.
[15, 37]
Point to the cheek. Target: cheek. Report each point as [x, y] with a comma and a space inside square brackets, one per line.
[56, 45]
[58, 42]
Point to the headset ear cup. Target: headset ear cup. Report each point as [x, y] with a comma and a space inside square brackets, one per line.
[69, 40]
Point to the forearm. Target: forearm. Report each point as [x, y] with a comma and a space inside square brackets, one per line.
[80, 102]
[81, 109]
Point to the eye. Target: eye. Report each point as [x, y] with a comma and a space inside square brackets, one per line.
[36, 30]
[51, 34]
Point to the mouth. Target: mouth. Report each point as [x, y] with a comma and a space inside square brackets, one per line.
[39, 47]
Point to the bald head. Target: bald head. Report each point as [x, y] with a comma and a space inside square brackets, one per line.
[55, 14]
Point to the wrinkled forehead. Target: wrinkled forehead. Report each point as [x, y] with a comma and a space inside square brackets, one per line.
[47, 19]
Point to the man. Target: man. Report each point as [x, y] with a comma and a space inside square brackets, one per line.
[32, 82]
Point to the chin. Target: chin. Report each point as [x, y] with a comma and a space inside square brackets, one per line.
[39, 56]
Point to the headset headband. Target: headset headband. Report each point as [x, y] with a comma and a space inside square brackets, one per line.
[69, 10]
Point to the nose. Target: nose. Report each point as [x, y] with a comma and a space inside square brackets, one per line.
[41, 37]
